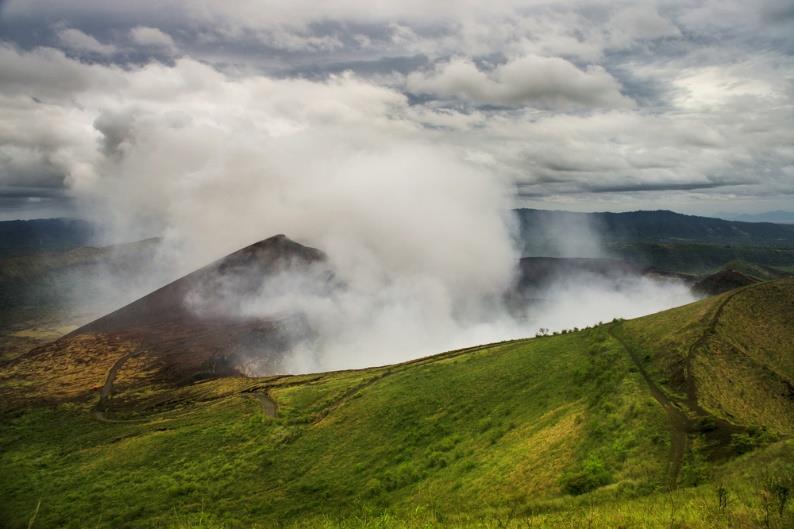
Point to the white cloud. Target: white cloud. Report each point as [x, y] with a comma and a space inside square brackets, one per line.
[640, 22]
[216, 162]
[542, 81]
[253, 130]
[152, 37]
[714, 86]
[437, 29]
[569, 98]
[75, 40]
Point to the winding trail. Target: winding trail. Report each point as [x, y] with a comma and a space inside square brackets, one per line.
[698, 420]
[269, 406]
[699, 344]
[262, 392]
[107, 389]
[347, 394]
[680, 424]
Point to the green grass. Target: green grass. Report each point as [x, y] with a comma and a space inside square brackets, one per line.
[745, 369]
[558, 431]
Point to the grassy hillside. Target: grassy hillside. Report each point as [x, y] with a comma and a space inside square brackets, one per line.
[735, 364]
[678, 419]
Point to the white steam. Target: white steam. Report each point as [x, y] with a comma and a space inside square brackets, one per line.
[586, 299]
[418, 231]
[377, 321]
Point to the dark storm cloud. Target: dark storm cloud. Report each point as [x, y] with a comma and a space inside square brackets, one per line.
[526, 189]
[34, 202]
[660, 186]
[31, 192]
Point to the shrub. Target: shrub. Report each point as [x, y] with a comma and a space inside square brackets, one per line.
[591, 475]
[749, 440]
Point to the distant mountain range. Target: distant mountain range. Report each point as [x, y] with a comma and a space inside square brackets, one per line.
[655, 226]
[779, 217]
[662, 240]
[27, 237]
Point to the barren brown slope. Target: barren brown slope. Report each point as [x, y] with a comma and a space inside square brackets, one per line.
[235, 274]
[187, 329]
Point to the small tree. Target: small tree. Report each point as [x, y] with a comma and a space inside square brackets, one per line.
[722, 498]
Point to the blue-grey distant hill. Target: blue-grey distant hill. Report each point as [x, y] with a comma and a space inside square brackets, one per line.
[661, 226]
[664, 240]
[661, 239]
[779, 217]
[28, 237]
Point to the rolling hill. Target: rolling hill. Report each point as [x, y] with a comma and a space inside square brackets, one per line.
[682, 418]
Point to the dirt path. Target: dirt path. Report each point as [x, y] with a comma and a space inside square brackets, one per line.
[269, 406]
[107, 389]
[680, 424]
[347, 394]
[691, 385]
[262, 392]
[717, 431]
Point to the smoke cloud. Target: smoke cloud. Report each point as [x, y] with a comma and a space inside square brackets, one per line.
[581, 300]
[418, 233]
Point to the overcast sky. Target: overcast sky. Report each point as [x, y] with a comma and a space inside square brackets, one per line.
[574, 105]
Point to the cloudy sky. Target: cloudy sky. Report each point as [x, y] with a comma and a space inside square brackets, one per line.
[123, 108]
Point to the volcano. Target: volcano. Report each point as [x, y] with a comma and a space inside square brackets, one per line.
[190, 329]
[204, 296]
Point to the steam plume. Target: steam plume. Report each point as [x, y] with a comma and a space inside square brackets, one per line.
[419, 235]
